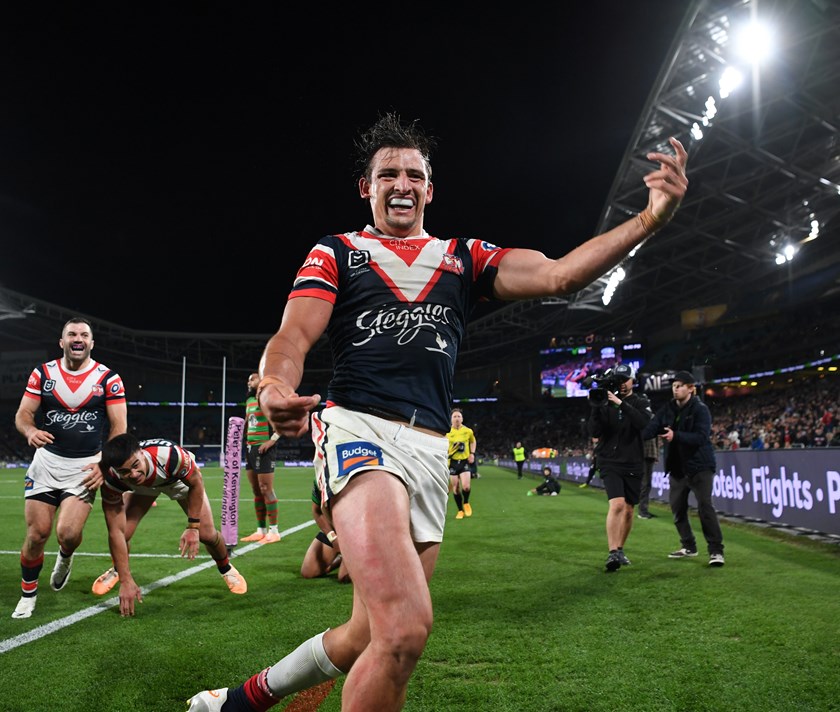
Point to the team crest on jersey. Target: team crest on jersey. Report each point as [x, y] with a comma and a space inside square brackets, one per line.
[97, 390]
[358, 258]
[49, 384]
[354, 455]
[451, 263]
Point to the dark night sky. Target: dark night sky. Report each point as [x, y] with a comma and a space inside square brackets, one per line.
[167, 168]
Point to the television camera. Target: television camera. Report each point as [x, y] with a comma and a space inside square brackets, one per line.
[601, 382]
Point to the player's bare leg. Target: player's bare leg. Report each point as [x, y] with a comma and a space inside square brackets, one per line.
[391, 593]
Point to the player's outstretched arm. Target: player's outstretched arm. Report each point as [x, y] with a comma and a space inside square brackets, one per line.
[528, 274]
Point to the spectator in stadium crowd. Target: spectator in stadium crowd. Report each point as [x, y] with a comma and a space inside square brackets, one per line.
[137, 472]
[550, 485]
[462, 446]
[651, 447]
[617, 420]
[685, 424]
[260, 440]
[395, 302]
[324, 553]
[77, 397]
[519, 458]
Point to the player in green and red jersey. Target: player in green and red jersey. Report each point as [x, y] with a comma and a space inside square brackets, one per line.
[260, 439]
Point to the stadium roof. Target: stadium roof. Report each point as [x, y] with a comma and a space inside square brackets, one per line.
[767, 165]
[764, 176]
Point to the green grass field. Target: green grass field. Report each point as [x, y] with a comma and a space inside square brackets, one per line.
[526, 620]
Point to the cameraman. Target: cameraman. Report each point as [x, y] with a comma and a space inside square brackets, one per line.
[617, 418]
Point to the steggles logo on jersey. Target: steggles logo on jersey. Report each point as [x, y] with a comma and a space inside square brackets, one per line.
[442, 344]
[49, 384]
[358, 258]
[405, 324]
[69, 420]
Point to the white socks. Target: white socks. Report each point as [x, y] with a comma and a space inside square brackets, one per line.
[305, 667]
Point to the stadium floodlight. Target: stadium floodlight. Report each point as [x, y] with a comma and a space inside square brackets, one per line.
[616, 276]
[755, 43]
[786, 255]
[729, 81]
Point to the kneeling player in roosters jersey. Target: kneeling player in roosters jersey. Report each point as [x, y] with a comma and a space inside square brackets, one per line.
[136, 472]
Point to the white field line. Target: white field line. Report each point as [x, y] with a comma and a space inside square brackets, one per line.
[54, 626]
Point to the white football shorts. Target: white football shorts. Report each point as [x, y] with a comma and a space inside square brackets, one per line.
[348, 442]
[49, 472]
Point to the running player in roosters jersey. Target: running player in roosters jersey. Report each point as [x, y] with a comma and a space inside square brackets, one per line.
[136, 473]
[394, 302]
[77, 397]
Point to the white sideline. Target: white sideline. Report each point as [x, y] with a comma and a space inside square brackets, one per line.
[54, 626]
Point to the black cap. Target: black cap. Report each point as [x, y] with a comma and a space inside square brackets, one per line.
[624, 371]
[684, 377]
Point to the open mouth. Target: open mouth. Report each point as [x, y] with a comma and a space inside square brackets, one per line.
[400, 203]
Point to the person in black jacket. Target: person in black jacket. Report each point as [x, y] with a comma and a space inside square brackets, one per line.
[617, 420]
[549, 487]
[685, 425]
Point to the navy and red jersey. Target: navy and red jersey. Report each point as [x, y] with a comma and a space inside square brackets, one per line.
[74, 404]
[165, 461]
[400, 308]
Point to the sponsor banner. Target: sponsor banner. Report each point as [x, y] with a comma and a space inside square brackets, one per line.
[230, 491]
[796, 488]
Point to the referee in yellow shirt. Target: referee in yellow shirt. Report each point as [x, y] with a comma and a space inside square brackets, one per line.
[461, 456]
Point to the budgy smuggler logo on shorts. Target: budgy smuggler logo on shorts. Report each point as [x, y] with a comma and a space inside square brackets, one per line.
[352, 456]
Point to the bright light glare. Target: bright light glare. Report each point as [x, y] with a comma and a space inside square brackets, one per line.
[615, 277]
[696, 131]
[729, 81]
[786, 255]
[755, 43]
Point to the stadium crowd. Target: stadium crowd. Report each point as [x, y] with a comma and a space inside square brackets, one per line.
[802, 414]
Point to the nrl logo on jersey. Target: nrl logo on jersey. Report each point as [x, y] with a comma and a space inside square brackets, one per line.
[453, 264]
[49, 385]
[358, 258]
